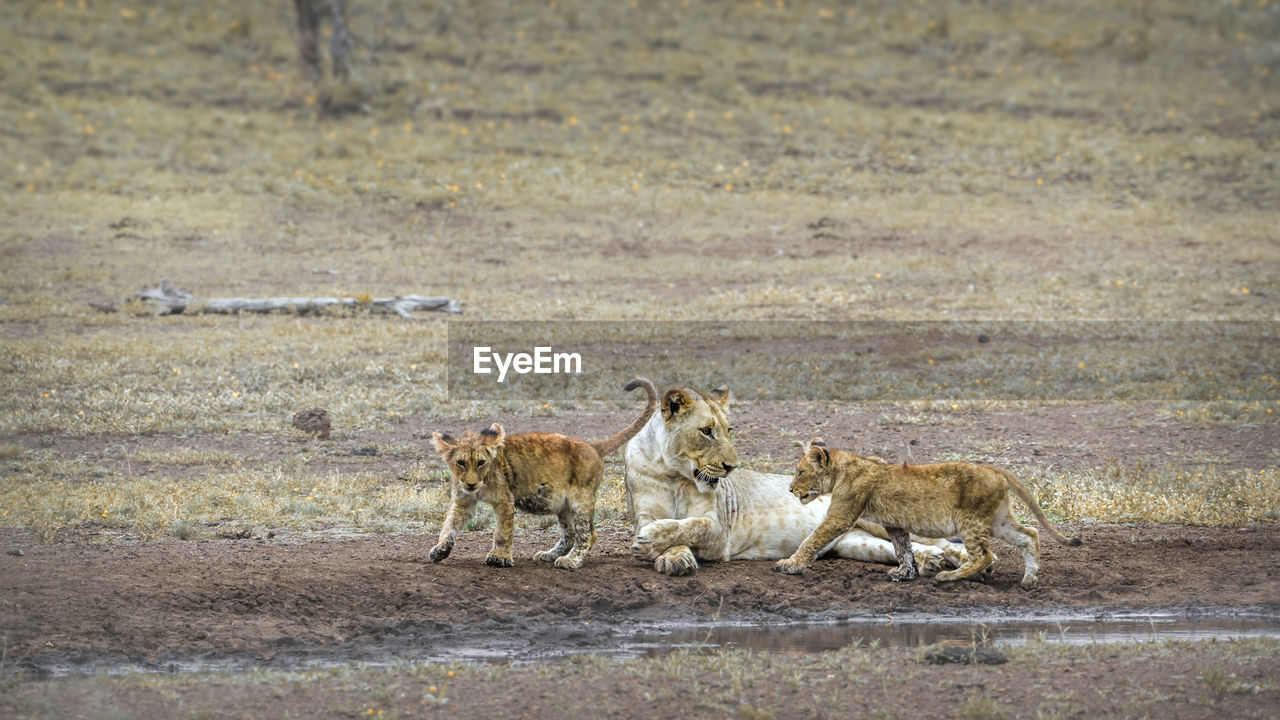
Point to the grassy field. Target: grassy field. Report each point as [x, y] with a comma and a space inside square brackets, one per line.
[587, 161]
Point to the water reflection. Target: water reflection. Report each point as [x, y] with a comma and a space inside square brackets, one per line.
[912, 633]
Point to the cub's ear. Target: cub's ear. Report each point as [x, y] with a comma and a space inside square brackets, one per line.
[675, 401]
[493, 435]
[443, 442]
[722, 395]
[817, 453]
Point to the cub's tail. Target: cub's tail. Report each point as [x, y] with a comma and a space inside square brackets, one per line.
[608, 445]
[1025, 496]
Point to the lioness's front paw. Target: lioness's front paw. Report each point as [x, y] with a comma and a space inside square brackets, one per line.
[440, 552]
[497, 559]
[955, 554]
[643, 549]
[546, 556]
[929, 561]
[789, 566]
[677, 561]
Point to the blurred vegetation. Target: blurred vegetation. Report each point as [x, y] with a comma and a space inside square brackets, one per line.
[588, 160]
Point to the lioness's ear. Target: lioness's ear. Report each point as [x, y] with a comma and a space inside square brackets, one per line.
[722, 395]
[674, 402]
[493, 435]
[443, 442]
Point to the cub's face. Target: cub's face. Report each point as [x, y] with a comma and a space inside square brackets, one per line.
[813, 472]
[472, 459]
[698, 434]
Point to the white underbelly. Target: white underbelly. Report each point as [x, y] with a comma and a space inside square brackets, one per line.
[775, 532]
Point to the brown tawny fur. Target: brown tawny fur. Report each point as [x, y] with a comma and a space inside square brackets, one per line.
[539, 473]
[942, 499]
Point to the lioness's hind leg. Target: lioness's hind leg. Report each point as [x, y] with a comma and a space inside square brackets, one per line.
[906, 569]
[1026, 539]
[978, 544]
[861, 545]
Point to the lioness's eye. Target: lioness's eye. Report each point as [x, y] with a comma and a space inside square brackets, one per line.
[708, 431]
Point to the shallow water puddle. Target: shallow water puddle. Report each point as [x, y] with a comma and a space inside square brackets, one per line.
[911, 631]
[624, 640]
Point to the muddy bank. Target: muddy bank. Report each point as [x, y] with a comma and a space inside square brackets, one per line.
[177, 600]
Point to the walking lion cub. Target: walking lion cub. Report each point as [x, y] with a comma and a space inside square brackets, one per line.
[935, 500]
[541, 473]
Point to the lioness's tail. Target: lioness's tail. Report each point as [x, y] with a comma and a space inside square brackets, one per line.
[1025, 496]
[608, 445]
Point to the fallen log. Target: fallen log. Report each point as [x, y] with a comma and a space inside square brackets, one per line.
[165, 299]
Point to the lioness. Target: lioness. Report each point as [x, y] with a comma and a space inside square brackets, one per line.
[944, 498]
[686, 505]
[543, 473]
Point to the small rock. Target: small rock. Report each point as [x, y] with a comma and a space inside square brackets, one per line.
[982, 338]
[369, 450]
[314, 422]
[16, 552]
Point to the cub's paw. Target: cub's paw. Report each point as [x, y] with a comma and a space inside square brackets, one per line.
[547, 556]
[789, 566]
[440, 552]
[496, 559]
[947, 576]
[902, 575]
[1028, 582]
[568, 563]
[676, 561]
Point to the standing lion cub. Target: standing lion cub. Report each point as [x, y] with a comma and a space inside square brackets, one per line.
[541, 473]
[936, 500]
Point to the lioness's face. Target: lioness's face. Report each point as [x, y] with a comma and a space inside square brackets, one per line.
[473, 457]
[699, 434]
[813, 473]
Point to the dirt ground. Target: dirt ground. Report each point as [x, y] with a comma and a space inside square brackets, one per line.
[73, 602]
[1069, 437]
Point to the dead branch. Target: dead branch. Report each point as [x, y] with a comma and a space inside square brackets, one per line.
[165, 299]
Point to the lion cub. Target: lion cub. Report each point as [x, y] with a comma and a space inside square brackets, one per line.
[541, 473]
[933, 500]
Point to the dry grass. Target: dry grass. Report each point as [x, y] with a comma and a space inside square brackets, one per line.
[569, 160]
[48, 494]
[724, 683]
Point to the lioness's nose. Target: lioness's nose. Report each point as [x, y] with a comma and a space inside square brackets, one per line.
[727, 467]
